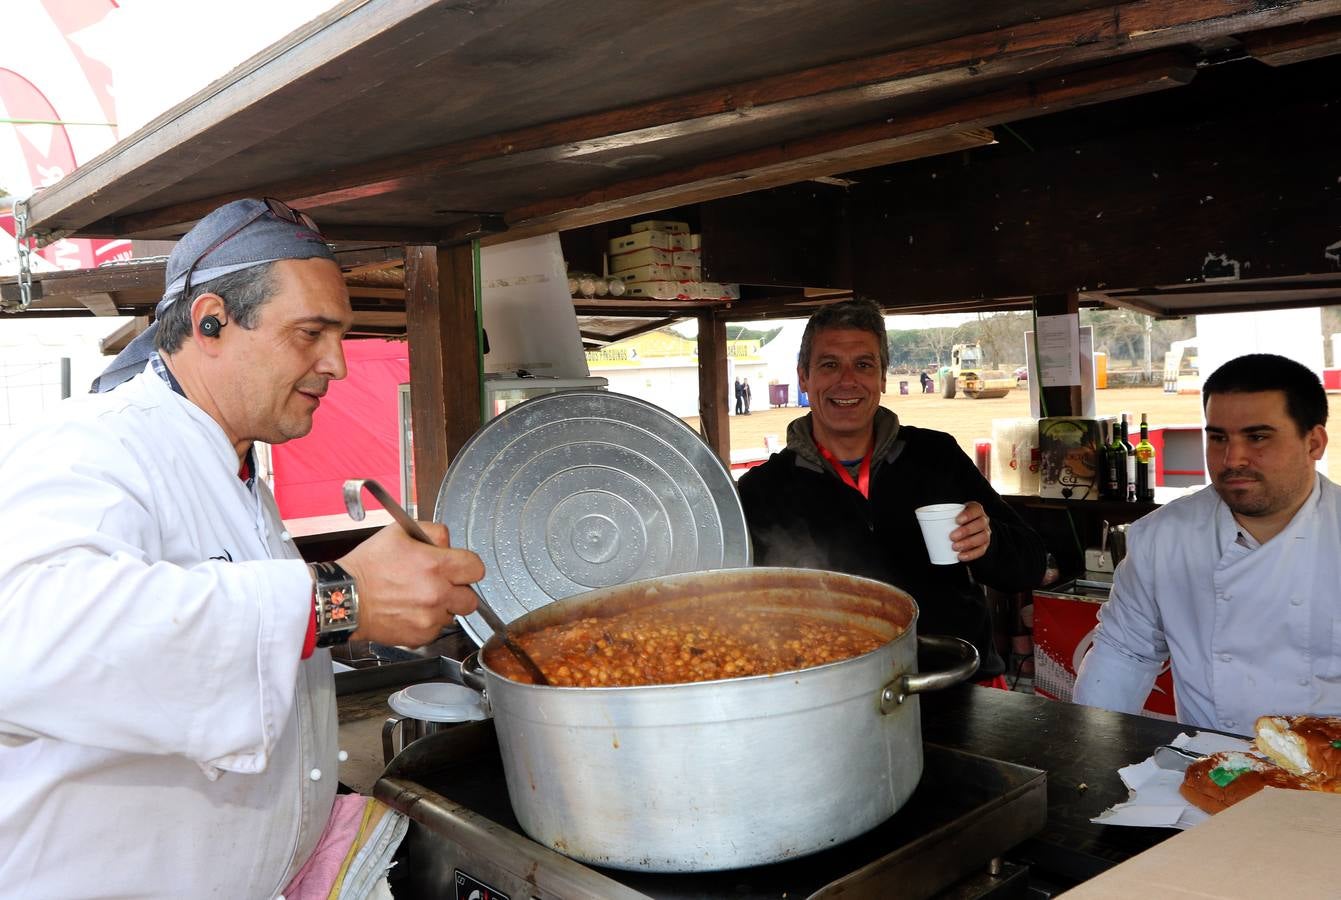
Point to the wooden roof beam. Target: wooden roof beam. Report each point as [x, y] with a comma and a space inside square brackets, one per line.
[1076, 38]
[115, 342]
[100, 304]
[1280, 285]
[839, 151]
[1138, 304]
[940, 129]
[260, 92]
[1295, 43]
[642, 327]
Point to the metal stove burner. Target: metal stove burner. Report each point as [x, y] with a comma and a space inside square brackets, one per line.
[465, 841]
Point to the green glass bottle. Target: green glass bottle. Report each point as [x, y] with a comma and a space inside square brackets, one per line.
[1145, 465]
[1129, 484]
[1117, 465]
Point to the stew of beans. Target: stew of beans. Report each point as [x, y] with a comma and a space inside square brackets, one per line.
[679, 643]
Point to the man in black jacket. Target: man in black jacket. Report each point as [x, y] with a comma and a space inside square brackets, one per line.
[841, 496]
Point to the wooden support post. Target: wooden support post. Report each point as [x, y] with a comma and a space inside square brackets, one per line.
[443, 330]
[1059, 400]
[713, 413]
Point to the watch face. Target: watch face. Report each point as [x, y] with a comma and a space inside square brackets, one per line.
[339, 607]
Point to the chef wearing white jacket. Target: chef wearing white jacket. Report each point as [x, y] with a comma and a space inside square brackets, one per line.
[1235, 585]
[166, 726]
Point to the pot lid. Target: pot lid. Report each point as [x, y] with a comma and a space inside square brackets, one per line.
[436, 701]
[577, 490]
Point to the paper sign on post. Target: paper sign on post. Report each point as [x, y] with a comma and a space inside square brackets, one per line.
[1059, 350]
[1084, 365]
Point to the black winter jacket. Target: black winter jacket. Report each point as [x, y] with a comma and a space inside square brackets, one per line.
[801, 514]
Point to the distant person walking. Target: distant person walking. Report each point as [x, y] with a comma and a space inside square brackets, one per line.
[745, 394]
[740, 397]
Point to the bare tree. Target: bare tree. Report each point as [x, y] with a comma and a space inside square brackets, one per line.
[939, 341]
[1002, 337]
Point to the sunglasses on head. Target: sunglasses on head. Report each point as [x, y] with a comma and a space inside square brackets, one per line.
[277, 208]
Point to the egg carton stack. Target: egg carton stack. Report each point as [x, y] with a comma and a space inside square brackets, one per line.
[661, 260]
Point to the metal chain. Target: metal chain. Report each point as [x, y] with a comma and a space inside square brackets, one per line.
[25, 247]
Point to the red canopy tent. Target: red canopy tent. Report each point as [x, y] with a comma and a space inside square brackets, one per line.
[355, 434]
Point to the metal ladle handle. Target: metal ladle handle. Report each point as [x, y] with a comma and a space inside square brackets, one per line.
[354, 489]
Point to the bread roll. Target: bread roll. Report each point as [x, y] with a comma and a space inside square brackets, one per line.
[1220, 780]
[1304, 745]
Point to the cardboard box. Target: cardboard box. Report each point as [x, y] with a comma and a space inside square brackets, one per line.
[654, 273]
[686, 258]
[648, 256]
[660, 225]
[1276, 843]
[683, 290]
[1069, 457]
[713, 290]
[696, 273]
[695, 242]
[661, 240]
[659, 290]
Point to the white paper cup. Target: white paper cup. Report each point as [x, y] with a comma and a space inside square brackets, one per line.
[937, 521]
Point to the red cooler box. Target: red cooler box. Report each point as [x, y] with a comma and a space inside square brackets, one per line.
[1065, 617]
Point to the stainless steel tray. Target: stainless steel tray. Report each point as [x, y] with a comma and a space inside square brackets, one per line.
[967, 810]
[585, 489]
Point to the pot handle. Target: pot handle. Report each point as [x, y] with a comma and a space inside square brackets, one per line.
[894, 693]
[393, 738]
[472, 675]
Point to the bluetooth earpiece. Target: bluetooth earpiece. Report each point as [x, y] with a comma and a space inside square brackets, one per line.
[210, 325]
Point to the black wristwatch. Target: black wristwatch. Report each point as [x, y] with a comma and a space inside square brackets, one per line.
[337, 603]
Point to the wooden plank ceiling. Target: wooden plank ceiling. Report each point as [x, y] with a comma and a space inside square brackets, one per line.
[432, 122]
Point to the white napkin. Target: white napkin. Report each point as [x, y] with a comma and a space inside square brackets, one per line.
[1155, 800]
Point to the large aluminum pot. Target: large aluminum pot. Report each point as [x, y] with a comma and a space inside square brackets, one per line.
[729, 773]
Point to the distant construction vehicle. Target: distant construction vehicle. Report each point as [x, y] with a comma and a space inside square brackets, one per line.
[966, 373]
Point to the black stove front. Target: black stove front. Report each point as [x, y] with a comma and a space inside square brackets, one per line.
[466, 843]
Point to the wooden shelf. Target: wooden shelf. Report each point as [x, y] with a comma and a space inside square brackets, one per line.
[635, 306]
[789, 305]
[1089, 506]
[1107, 508]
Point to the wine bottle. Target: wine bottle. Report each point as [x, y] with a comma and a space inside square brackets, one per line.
[1106, 472]
[1130, 493]
[1117, 464]
[1145, 465]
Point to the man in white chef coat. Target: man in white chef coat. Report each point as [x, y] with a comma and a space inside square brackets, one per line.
[1235, 585]
[167, 717]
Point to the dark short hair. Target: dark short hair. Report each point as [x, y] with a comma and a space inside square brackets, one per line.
[1305, 399]
[861, 314]
[243, 292]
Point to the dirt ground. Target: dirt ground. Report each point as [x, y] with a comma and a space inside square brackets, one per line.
[969, 420]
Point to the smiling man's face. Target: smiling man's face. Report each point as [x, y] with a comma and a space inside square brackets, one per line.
[845, 380]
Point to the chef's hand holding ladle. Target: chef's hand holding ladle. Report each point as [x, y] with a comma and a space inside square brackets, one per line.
[408, 590]
[427, 586]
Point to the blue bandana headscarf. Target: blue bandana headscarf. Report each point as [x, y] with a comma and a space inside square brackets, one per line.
[266, 239]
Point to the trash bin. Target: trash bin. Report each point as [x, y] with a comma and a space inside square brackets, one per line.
[903, 387]
[802, 399]
[777, 394]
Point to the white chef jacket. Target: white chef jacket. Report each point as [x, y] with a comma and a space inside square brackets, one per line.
[1250, 629]
[158, 732]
